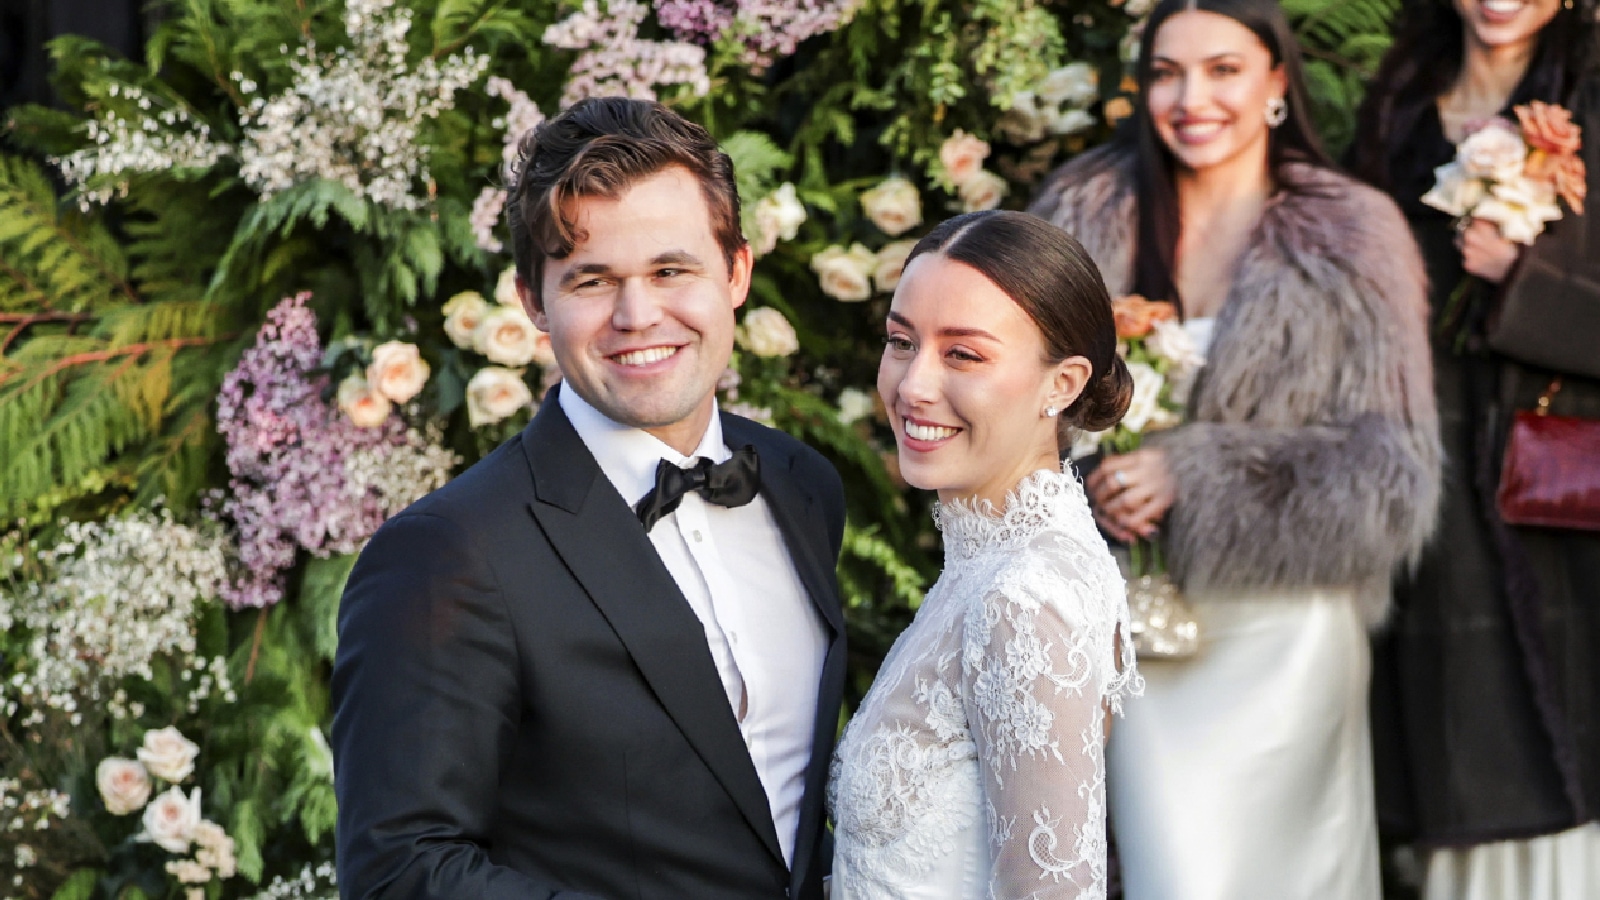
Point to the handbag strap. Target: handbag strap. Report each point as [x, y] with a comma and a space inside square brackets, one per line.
[1548, 395]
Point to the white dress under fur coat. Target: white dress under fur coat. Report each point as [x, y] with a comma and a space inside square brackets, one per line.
[1308, 472]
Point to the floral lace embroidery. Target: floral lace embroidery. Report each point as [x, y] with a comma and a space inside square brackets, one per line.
[989, 706]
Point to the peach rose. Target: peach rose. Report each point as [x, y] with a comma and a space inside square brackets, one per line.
[170, 820]
[891, 262]
[894, 206]
[1566, 174]
[1549, 129]
[962, 156]
[365, 406]
[494, 393]
[845, 274]
[1135, 316]
[982, 191]
[505, 289]
[462, 314]
[507, 336]
[124, 784]
[397, 371]
[765, 332]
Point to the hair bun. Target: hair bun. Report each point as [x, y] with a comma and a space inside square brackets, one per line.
[1104, 400]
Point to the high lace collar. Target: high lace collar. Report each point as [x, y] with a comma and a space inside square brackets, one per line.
[972, 527]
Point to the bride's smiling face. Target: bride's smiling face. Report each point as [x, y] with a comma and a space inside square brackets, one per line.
[965, 379]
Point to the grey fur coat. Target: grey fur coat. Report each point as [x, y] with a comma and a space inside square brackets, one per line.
[1311, 457]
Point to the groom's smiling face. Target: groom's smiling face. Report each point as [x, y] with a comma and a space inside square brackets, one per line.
[641, 312]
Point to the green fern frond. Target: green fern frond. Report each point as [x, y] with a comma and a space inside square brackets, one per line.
[51, 258]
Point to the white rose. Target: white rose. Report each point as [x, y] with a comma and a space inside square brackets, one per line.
[1454, 191]
[1521, 208]
[397, 371]
[462, 315]
[507, 336]
[168, 754]
[962, 156]
[1172, 342]
[845, 274]
[1075, 85]
[982, 191]
[494, 393]
[1495, 151]
[170, 820]
[765, 332]
[365, 406]
[1146, 397]
[854, 405]
[779, 216]
[505, 289]
[1071, 121]
[753, 413]
[124, 784]
[189, 871]
[891, 261]
[894, 206]
[1085, 443]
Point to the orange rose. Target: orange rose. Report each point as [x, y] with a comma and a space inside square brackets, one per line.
[1549, 128]
[1565, 174]
[1135, 316]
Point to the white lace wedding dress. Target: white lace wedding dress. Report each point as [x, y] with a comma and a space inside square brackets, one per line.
[974, 766]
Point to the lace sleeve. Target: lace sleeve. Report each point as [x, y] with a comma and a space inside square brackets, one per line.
[1040, 665]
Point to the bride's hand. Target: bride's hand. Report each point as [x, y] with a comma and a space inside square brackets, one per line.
[1130, 493]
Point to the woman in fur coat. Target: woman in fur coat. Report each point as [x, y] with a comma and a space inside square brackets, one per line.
[1307, 473]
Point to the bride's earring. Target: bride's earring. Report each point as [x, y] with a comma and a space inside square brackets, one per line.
[1050, 412]
[1277, 112]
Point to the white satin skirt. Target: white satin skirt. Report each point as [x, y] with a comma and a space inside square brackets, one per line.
[1563, 866]
[1245, 772]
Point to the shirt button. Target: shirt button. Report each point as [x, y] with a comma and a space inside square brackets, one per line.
[697, 537]
[733, 638]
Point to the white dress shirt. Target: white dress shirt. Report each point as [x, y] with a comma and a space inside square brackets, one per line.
[765, 636]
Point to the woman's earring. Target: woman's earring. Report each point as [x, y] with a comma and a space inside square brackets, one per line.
[1050, 412]
[1277, 112]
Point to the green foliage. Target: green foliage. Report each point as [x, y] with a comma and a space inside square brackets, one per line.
[78, 887]
[1342, 42]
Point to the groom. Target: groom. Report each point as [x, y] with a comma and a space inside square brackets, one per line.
[606, 661]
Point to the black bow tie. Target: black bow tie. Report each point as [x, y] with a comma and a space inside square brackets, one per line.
[731, 483]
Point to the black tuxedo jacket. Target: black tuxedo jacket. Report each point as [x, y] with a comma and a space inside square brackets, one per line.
[525, 705]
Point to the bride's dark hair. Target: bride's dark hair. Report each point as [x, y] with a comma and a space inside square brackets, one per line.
[1051, 277]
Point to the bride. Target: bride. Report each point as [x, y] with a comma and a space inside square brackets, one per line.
[974, 766]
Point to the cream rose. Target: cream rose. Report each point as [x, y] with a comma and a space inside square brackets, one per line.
[765, 332]
[170, 820]
[365, 406]
[845, 274]
[962, 155]
[1085, 443]
[397, 370]
[890, 263]
[494, 393]
[1024, 122]
[507, 336]
[778, 216]
[215, 849]
[1146, 402]
[462, 315]
[1071, 121]
[124, 784]
[894, 206]
[1454, 191]
[1521, 208]
[1495, 151]
[855, 405]
[189, 871]
[505, 289]
[168, 754]
[1074, 85]
[1171, 341]
[982, 191]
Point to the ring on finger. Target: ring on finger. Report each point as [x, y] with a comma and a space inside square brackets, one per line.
[1120, 477]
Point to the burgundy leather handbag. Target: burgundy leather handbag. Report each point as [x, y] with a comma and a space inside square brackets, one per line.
[1551, 474]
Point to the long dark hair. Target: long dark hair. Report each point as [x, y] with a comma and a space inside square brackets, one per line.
[1296, 140]
[1425, 60]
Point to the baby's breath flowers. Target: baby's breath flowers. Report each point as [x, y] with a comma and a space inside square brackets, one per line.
[157, 135]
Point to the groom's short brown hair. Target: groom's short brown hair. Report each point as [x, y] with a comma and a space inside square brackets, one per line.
[599, 148]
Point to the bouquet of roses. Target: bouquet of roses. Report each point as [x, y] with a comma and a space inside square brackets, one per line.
[1163, 360]
[1513, 173]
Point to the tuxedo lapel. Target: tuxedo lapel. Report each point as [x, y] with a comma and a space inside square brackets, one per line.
[608, 552]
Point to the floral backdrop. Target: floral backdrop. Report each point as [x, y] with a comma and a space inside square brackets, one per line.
[255, 298]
